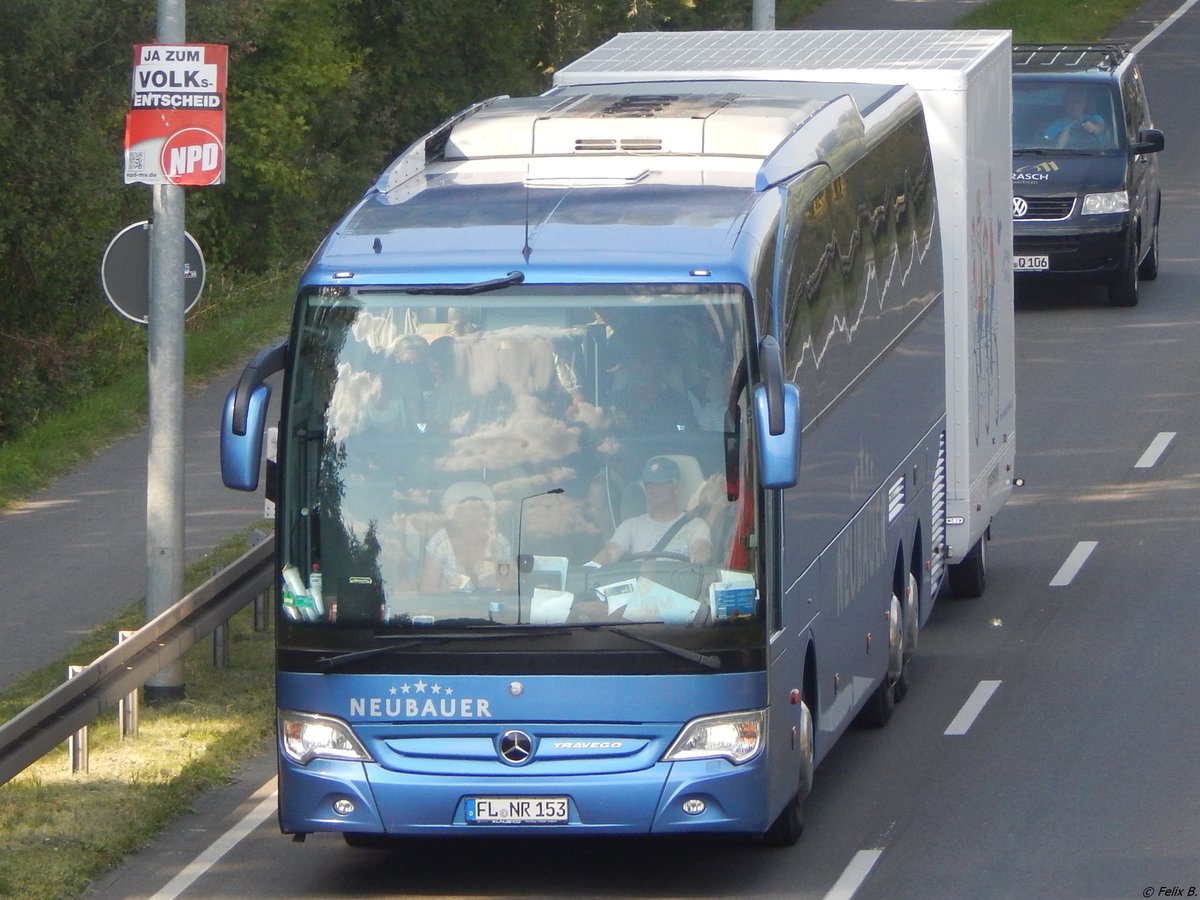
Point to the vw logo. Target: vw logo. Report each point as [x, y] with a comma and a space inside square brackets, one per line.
[516, 747]
[1020, 207]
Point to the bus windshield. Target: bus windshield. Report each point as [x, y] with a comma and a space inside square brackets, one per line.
[524, 456]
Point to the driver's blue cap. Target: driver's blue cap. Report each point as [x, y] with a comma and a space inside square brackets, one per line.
[659, 469]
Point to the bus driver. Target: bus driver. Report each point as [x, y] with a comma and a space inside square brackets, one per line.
[663, 527]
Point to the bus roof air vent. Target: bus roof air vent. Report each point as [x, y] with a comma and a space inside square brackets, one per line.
[615, 145]
[589, 123]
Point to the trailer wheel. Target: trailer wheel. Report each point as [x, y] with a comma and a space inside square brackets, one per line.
[969, 577]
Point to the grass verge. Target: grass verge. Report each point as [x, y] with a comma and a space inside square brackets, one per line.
[1062, 20]
[59, 831]
[231, 322]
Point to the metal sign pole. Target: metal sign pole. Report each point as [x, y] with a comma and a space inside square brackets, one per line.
[164, 471]
[764, 15]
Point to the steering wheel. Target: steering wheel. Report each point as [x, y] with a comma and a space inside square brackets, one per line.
[659, 554]
[1091, 138]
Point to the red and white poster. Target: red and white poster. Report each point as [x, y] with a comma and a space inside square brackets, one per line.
[175, 128]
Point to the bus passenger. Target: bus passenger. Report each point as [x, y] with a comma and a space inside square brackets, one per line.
[663, 529]
[646, 398]
[469, 553]
[405, 376]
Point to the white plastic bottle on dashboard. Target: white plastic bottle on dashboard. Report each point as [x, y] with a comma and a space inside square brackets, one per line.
[315, 586]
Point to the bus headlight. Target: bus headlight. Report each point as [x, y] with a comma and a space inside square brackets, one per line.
[736, 737]
[1110, 202]
[306, 736]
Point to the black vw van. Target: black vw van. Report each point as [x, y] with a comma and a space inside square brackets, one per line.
[1086, 194]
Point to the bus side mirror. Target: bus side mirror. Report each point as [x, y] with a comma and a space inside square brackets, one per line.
[244, 418]
[777, 415]
[241, 454]
[778, 454]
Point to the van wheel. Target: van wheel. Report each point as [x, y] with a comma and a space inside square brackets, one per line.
[1148, 270]
[1124, 291]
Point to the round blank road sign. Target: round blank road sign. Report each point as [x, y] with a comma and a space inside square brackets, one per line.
[125, 272]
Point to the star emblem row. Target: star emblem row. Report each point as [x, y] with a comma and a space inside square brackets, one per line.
[421, 687]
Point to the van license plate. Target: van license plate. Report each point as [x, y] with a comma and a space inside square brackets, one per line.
[1031, 263]
[517, 810]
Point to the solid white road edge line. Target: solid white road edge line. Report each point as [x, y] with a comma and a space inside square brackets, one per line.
[1162, 26]
[1074, 563]
[972, 708]
[854, 875]
[212, 854]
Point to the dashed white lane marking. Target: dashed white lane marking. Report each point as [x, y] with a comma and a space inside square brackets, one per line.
[212, 854]
[1154, 452]
[1074, 563]
[854, 875]
[972, 708]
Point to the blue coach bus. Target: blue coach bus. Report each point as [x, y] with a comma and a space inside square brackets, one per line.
[611, 463]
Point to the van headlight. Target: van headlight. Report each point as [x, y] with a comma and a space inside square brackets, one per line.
[736, 737]
[1108, 202]
[307, 736]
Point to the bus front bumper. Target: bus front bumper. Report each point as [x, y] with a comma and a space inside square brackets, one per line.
[692, 797]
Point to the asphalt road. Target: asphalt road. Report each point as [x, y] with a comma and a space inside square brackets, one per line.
[74, 554]
[1076, 777]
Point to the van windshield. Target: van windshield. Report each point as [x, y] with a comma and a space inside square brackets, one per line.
[1057, 115]
[527, 456]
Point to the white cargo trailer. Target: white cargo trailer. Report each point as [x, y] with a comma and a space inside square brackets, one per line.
[964, 81]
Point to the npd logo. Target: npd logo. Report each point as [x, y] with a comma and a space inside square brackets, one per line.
[193, 156]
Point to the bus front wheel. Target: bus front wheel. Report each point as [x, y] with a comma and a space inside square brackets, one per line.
[785, 831]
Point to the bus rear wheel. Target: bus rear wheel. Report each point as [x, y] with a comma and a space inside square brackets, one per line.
[882, 703]
[910, 625]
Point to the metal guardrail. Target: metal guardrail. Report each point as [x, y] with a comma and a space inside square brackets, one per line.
[34, 732]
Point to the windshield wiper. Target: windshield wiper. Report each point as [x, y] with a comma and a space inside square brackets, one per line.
[1053, 151]
[712, 662]
[481, 629]
[463, 290]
